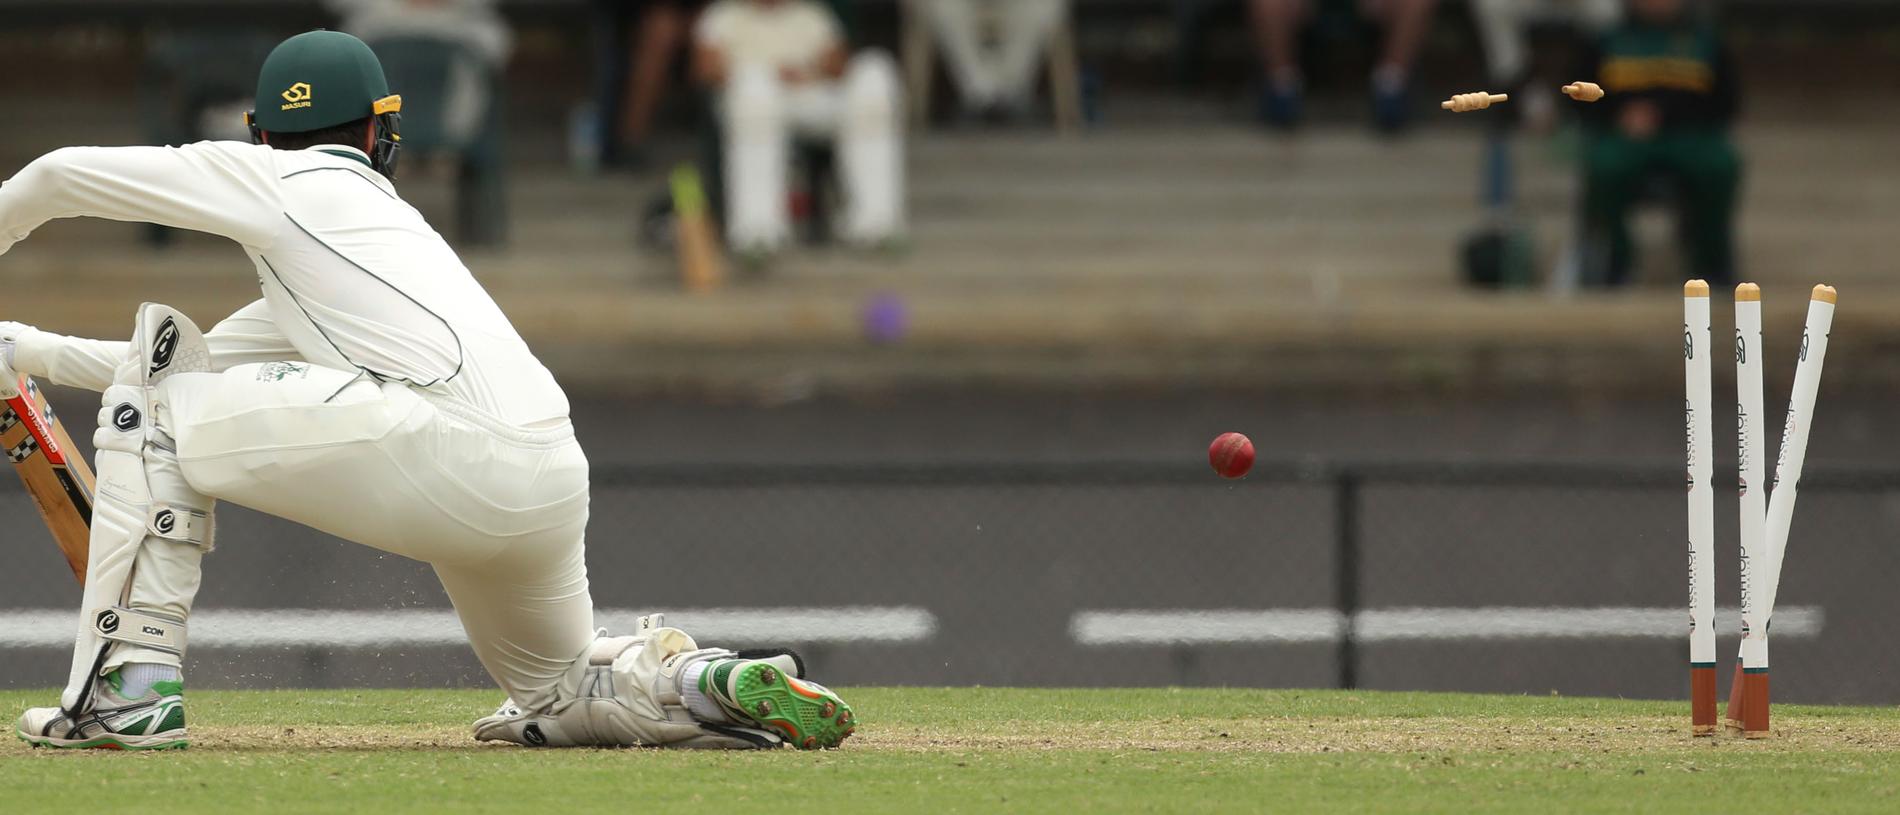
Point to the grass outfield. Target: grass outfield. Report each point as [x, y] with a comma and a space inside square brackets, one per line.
[996, 750]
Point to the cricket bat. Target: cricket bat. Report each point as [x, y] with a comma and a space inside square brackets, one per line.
[56, 476]
[702, 268]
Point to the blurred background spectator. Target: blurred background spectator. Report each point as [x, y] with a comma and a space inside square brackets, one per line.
[446, 57]
[993, 49]
[480, 39]
[1504, 28]
[1277, 25]
[1661, 132]
[640, 43]
[782, 71]
[1500, 252]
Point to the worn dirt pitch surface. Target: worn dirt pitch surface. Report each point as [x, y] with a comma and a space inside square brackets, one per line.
[996, 750]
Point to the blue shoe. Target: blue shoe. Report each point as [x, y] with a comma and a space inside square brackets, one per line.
[1391, 107]
[1281, 104]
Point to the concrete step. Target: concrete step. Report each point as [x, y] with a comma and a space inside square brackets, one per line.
[1166, 252]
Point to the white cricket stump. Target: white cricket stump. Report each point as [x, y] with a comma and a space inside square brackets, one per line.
[1700, 443]
[1780, 516]
[1751, 455]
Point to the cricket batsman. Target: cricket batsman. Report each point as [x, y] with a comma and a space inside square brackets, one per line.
[377, 393]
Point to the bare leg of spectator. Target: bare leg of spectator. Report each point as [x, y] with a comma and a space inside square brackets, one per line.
[661, 29]
[753, 111]
[870, 148]
[1406, 24]
[958, 28]
[1026, 28]
[1276, 27]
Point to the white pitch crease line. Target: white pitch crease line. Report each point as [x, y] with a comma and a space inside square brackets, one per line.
[324, 628]
[1311, 625]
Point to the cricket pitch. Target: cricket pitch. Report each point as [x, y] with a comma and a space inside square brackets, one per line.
[997, 750]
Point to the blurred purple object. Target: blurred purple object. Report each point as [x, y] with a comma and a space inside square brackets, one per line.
[886, 318]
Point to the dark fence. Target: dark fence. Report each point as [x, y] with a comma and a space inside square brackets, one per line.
[1480, 576]
[1346, 537]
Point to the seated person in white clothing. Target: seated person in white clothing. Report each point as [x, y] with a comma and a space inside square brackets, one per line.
[780, 69]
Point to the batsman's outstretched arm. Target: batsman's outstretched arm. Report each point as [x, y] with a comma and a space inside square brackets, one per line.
[71, 361]
[224, 188]
[245, 337]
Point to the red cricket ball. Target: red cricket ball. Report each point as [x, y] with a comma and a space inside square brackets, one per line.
[1231, 454]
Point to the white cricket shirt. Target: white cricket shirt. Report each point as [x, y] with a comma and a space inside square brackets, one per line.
[352, 275]
[789, 34]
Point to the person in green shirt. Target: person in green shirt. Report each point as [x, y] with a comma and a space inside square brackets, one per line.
[1671, 98]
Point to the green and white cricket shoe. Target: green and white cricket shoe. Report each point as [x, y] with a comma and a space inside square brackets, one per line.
[155, 721]
[760, 692]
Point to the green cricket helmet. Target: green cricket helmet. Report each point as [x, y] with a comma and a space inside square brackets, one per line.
[321, 79]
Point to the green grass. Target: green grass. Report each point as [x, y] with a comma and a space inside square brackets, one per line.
[997, 750]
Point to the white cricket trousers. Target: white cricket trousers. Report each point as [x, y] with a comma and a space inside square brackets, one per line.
[862, 113]
[1002, 73]
[500, 513]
